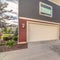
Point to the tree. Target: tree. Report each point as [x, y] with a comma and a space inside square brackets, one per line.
[3, 16]
[16, 32]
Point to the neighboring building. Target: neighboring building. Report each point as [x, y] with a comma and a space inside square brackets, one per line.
[39, 20]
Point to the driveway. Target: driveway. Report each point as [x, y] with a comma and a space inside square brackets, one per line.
[49, 50]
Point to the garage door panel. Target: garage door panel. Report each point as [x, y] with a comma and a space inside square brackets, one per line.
[42, 32]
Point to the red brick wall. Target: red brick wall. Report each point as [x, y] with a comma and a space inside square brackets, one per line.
[22, 31]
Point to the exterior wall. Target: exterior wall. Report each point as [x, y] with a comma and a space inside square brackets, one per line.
[30, 9]
[22, 31]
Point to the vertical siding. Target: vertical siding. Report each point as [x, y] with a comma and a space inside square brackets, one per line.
[30, 9]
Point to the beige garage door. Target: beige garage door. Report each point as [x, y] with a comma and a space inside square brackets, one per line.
[42, 32]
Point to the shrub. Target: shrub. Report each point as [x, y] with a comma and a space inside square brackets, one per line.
[10, 38]
[16, 32]
[6, 30]
[6, 37]
[10, 43]
[2, 42]
[15, 38]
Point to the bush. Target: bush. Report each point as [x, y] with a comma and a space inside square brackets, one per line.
[15, 38]
[16, 32]
[10, 43]
[6, 30]
[10, 37]
[2, 42]
[6, 37]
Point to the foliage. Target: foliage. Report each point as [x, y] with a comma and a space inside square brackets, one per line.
[0, 35]
[10, 43]
[3, 16]
[15, 38]
[16, 32]
[7, 37]
[2, 42]
[6, 30]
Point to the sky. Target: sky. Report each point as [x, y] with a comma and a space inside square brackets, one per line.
[12, 5]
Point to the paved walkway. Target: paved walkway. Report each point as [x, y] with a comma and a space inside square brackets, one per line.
[35, 51]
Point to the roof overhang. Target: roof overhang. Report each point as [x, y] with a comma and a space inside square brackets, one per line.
[57, 2]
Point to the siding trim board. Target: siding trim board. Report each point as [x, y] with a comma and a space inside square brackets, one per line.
[37, 20]
[22, 42]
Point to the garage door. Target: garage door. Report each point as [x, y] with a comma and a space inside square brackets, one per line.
[42, 32]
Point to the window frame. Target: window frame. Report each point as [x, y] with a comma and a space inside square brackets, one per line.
[40, 3]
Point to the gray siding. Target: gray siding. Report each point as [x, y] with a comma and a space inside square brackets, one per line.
[30, 9]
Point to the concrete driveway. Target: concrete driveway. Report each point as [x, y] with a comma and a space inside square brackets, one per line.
[49, 50]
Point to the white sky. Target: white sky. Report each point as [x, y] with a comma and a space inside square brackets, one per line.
[12, 6]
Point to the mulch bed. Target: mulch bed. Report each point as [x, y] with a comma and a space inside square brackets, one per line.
[4, 48]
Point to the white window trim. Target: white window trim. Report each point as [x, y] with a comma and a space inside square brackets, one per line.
[46, 5]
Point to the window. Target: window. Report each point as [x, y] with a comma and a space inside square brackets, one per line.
[45, 9]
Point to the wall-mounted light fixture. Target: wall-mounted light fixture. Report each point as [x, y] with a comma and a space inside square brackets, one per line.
[23, 25]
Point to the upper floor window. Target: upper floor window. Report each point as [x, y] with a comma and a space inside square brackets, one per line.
[45, 9]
